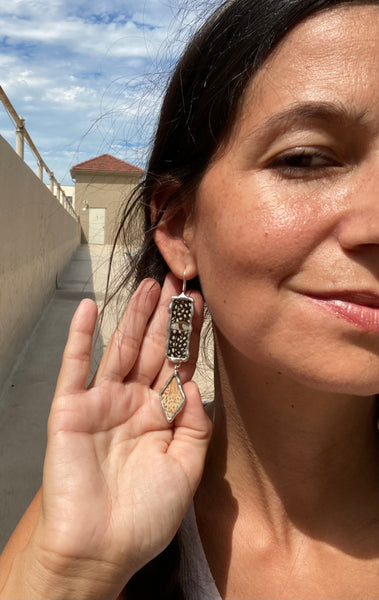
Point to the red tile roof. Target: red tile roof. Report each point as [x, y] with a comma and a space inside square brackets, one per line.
[108, 163]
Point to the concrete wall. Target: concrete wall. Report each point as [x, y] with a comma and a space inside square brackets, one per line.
[37, 239]
[109, 191]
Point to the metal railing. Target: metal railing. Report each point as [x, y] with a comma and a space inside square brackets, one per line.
[23, 136]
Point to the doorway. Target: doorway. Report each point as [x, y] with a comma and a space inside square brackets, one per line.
[96, 232]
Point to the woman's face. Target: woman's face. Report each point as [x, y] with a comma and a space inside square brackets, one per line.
[286, 227]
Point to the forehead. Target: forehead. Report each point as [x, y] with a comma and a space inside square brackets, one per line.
[330, 57]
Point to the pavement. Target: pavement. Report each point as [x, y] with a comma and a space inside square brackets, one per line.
[25, 401]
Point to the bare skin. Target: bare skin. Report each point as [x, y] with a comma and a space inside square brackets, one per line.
[111, 456]
[285, 239]
[291, 482]
[294, 523]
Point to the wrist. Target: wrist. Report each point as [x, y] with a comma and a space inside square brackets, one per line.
[40, 574]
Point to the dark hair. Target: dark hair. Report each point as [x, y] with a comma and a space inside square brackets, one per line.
[198, 112]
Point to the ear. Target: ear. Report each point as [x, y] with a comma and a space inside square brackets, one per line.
[174, 232]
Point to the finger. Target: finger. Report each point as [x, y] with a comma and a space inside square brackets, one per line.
[76, 362]
[191, 434]
[124, 346]
[193, 415]
[153, 347]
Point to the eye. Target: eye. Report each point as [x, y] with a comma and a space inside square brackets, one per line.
[303, 162]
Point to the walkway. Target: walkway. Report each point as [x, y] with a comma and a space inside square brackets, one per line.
[25, 404]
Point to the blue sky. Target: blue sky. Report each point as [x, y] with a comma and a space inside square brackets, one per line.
[88, 75]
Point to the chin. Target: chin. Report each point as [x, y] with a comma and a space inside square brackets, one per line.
[350, 370]
[344, 383]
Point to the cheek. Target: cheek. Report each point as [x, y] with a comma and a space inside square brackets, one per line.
[258, 235]
[248, 246]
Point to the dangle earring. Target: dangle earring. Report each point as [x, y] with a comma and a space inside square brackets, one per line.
[179, 329]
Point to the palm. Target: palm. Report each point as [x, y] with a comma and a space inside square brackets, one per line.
[118, 477]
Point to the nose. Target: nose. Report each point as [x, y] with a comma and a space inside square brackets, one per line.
[360, 229]
[359, 225]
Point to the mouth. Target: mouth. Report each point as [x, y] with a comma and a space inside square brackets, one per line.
[361, 309]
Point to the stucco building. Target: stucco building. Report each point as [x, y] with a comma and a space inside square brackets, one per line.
[102, 186]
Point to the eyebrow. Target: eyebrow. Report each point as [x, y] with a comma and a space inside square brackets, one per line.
[308, 111]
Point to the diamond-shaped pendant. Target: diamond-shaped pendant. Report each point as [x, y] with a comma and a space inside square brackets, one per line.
[172, 397]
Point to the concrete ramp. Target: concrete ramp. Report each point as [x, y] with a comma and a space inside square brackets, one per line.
[25, 403]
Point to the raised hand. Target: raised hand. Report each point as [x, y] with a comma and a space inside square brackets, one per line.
[118, 477]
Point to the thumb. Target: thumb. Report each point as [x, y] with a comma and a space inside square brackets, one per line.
[191, 435]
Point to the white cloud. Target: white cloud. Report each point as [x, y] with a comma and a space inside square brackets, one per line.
[87, 75]
[67, 96]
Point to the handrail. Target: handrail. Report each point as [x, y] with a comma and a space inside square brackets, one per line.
[22, 135]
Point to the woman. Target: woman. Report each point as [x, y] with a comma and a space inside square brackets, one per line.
[262, 188]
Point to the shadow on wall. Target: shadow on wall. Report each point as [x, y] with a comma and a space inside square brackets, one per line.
[38, 237]
[26, 403]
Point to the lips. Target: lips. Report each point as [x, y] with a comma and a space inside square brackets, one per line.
[361, 298]
[361, 309]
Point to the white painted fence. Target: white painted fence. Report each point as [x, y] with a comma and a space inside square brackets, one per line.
[23, 136]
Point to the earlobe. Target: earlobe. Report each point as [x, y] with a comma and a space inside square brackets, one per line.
[173, 237]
